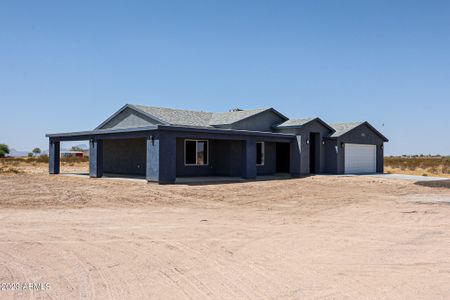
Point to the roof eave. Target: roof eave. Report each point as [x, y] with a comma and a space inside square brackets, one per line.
[88, 133]
[224, 130]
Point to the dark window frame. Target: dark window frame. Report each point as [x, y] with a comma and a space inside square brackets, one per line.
[196, 152]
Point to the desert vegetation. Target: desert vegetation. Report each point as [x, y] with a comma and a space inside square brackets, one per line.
[414, 164]
[4, 149]
[38, 164]
[418, 165]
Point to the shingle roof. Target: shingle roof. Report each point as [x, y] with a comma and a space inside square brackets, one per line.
[197, 118]
[298, 123]
[177, 116]
[295, 122]
[233, 116]
[343, 128]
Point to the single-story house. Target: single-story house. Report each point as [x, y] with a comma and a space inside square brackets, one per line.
[163, 144]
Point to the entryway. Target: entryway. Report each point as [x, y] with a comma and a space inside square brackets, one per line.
[314, 153]
[283, 152]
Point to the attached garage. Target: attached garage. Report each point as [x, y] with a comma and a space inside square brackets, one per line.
[359, 158]
[354, 148]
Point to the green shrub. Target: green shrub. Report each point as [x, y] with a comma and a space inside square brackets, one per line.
[4, 149]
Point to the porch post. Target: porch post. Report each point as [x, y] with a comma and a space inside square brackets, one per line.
[95, 158]
[248, 158]
[53, 157]
[295, 161]
[161, 158]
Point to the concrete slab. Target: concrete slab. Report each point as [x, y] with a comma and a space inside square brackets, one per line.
[109, 177]
[392, 176]
[408, 177]
[183, 180]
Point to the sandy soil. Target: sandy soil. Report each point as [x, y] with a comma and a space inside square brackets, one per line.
[318, 237]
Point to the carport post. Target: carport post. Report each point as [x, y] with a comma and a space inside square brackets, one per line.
[95, 158]
[53, 157]
[295, 155]
[161, 158]
[248, 158]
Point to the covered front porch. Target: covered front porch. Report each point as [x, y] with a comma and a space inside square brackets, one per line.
[168, 154]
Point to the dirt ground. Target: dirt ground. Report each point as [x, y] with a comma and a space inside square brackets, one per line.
[317, 237]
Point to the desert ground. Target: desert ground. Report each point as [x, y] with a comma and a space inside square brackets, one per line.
[325, 237]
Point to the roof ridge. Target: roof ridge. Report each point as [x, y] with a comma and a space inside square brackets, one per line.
[201, 111]
[353, 122]
[169, 108]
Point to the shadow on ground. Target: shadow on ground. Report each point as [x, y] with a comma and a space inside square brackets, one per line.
[435, 183]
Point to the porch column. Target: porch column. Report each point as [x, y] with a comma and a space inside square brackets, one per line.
[161, 158]
[53, 157]
[295, 161]
[248, 158]
[95, 158]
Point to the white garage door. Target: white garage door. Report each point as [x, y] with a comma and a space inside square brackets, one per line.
[360, 158]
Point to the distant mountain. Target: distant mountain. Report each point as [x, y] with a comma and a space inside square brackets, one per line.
[15, 153]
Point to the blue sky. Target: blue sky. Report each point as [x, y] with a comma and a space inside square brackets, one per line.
[68, 65]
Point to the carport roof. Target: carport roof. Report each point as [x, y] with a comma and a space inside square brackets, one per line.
[146, 131]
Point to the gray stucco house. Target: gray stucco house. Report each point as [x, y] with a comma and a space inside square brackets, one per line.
[163, 144]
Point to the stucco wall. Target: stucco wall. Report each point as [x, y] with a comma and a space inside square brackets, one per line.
[269, 166]
[127, 156]
[224, 160]
[201, 170]
[227, 158]
[331, 150]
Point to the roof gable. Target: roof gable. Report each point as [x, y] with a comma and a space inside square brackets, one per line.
[129, 117]
[344, 128]
[232, 117]
[299, 123]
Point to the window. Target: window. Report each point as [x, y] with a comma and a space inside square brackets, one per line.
[259, 153]
[195, 152]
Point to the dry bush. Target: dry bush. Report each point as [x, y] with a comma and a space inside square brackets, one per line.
[74, 159]
[9, 170]
[39, 159]
[434, 164]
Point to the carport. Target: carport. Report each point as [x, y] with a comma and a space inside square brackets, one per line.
[157, 152]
